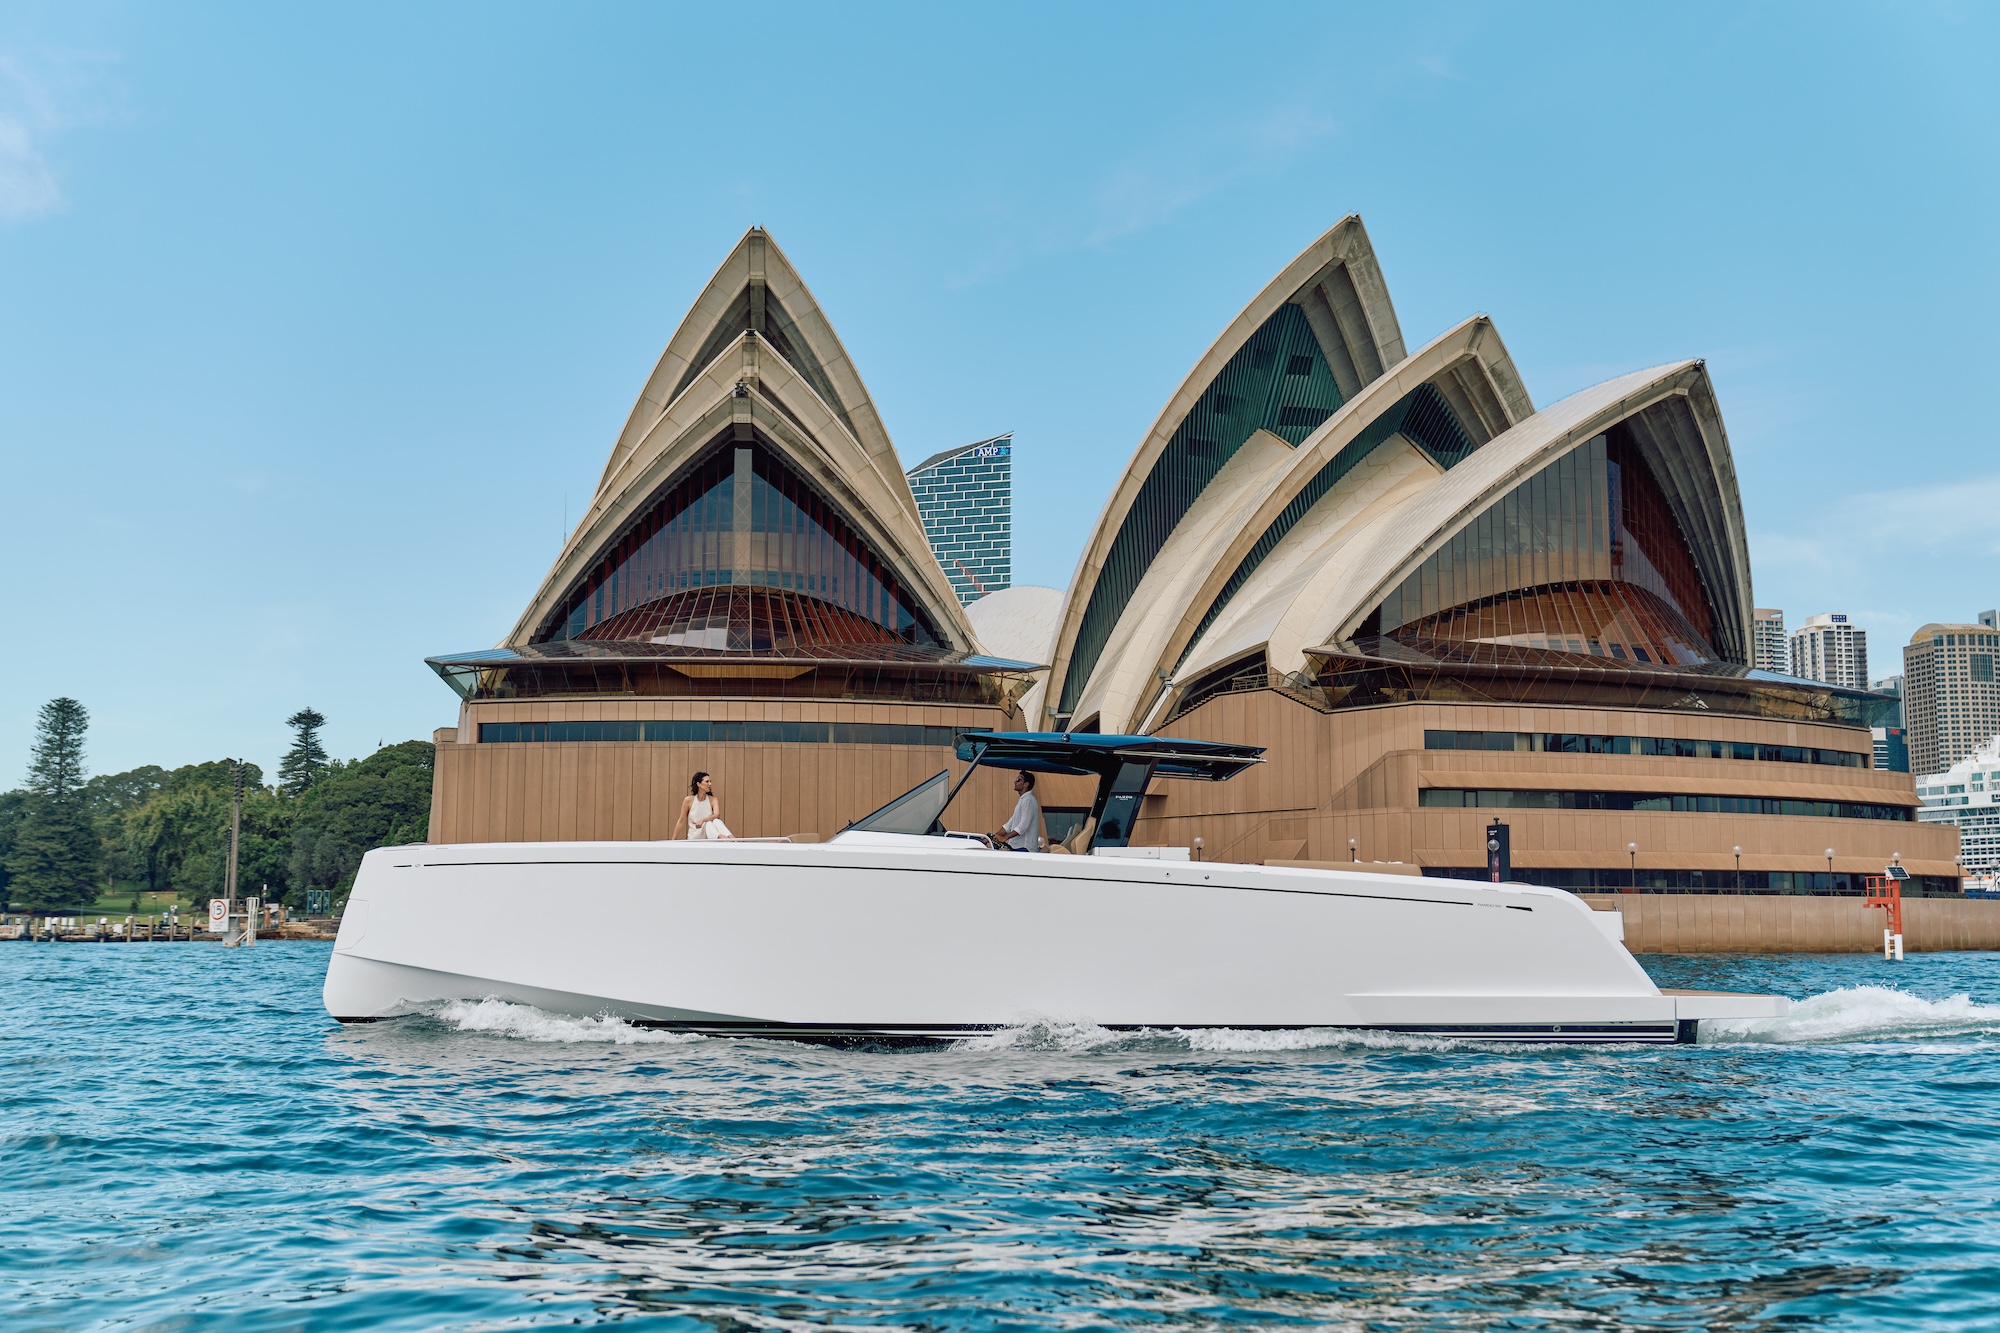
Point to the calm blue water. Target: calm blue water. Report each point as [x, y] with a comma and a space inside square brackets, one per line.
[186, 1142]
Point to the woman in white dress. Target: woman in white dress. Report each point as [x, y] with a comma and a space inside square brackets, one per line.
[701, 811]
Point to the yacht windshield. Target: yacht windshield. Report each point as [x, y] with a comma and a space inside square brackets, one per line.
[915, 812]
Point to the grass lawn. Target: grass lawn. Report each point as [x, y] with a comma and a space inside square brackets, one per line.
[118, 906]
[121, 905]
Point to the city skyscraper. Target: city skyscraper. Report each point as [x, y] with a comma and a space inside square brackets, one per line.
[1833, 649]
[965, 497]
[1768, 649]
[1968, 794]
[1951, 704]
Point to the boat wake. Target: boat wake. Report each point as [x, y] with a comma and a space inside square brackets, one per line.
[1065, 1035]
[502, 1018]
[1851, 1014]
[1863, 1014]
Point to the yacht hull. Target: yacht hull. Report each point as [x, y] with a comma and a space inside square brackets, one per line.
[891, 940]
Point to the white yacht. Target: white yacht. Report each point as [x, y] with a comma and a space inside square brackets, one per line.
[898, 930]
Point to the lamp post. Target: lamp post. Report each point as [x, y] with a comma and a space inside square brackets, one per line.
[1739, 868]
[1632, 851]
[1829, 870]
[1354, 849]
[1197, 847]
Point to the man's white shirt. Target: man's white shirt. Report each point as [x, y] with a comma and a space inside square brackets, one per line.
[1025, 824]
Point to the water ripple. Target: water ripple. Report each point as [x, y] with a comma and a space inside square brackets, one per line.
[186, 1142]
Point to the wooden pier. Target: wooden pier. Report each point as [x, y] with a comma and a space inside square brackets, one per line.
[150, 930]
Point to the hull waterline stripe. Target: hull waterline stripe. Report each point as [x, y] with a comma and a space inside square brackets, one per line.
[1680, 1031]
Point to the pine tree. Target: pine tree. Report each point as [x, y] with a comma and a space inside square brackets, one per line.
[56, 855]
[304, 762]
[55, 765]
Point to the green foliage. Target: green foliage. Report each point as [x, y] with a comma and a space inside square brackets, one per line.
[262, 860]
[13, 807]
[114, 793]
[306, 760]
[158, 831]
[55, 765]
[108, 799]
[178, 838]
[381, 801]
[54, 859]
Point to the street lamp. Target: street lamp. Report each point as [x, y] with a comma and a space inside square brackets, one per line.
[1739, 868]
[1353, 849]
[1829, 870]
[1632, 851]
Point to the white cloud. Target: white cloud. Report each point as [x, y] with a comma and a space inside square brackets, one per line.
[27, 186]
[1895, 559]
[1958, 517]
[39, 98]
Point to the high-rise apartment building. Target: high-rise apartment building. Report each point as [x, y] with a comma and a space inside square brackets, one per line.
[1768, 649]
[1831, 648]
[1968, 794]
[1951, 704]
[965, 497]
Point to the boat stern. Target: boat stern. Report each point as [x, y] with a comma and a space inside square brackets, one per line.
[1691, 1007]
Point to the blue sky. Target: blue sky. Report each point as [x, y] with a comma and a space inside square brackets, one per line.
[315, 322]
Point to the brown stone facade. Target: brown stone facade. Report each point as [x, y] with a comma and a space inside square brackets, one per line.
[1726, 923]
[1358, 773]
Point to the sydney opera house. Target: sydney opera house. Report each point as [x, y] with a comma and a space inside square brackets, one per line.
[1436, 605]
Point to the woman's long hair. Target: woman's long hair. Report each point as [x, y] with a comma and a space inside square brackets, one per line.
[694, 783]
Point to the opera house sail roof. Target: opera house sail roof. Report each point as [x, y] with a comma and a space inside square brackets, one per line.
[752, 524]
[1317, 511]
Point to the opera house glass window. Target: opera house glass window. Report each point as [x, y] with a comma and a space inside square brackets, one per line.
[1585, 557]
[741, 553]
[1421, 415]
[1279, 381]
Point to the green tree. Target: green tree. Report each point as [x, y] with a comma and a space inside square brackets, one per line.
[380, 801]
[306, 760]
[56, 858]
[13, 807]
[178, 838]
[109, 798]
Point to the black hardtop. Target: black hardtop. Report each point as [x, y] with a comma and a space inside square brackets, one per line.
[1090, 754]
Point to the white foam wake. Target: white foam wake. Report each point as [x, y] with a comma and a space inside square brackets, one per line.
[1051, 1034]
[1863, 1013]
[506, 1019]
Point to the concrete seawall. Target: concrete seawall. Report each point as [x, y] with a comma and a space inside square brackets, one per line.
[1730, 923]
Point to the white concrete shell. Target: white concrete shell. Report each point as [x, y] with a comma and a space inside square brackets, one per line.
[1339, 286]
[756, 355]
[1018, 622]
[1679, 430]
[1188, 590]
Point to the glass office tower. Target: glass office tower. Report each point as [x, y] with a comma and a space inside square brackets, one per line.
[965, 497]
